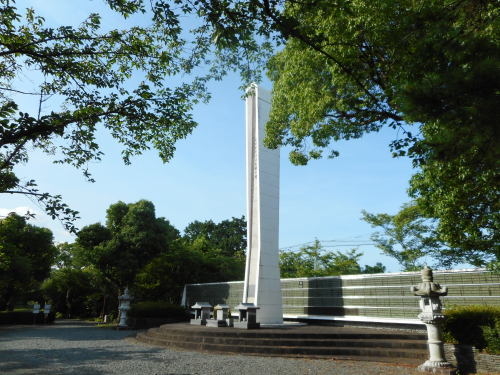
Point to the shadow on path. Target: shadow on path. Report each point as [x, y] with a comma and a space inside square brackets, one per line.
[75, 347]
[69, 347]
[69, 330]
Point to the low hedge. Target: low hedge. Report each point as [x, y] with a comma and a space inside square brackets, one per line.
[144, 323]
[25, 317]
[474, 325]
[158, 309]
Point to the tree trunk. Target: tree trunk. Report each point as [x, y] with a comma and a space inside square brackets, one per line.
[68, 303]
[118, 314]
[9, 299]
[103, 306]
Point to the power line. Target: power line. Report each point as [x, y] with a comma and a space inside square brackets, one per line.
[352, 244]
[354, 239]
[336, 243]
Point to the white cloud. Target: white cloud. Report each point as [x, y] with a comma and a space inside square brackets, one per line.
[21, 210]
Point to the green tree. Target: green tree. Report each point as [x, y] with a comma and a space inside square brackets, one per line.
[426, 69]
[132, 237]
[136, 249]
[76, 287]
[67, 289]
[408, 237]
[208, 252]
[377, 268]
[76, 291]
[220, 265]
[95, 76]
[313, 260]
[92, 235]
[230, 236]
[65, 257]
[466, 201]
[89, 247]
[165, 276]
[27, 253]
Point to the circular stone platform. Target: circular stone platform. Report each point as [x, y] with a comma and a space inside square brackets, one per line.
[327, 342]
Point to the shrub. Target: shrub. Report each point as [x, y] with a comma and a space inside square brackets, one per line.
[474, 325]
[158, 309]
[24, 316]
[492, 337]
[112, 317]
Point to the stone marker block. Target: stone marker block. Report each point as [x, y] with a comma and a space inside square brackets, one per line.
[247, 316]
[221, 313]
[201, 313]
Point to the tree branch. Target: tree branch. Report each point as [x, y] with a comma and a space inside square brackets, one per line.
[291, 31]
[19, 91]
[6, 162]
[47, 129]
[23, 192]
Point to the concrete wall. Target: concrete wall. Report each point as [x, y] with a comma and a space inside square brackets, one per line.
[378, 297]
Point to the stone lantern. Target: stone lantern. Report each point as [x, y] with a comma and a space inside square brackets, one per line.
[201, 313]
[124, 307]
[221, 312]
[247, 316]
[432, 317]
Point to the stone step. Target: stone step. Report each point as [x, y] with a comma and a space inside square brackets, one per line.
[287, 333]
[402, 347]
[408, 356]
[290, 341]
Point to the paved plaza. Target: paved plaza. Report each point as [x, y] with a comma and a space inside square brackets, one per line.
[76, 347]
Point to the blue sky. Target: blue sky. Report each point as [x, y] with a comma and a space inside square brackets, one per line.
[206, 178]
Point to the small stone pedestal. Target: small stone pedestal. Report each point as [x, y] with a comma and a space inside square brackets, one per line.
[247, 316]
[36, 311]
[221, 316]
[46, 311]
[432, 316]
[201, 313]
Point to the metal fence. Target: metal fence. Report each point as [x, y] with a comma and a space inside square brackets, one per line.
[376, 297]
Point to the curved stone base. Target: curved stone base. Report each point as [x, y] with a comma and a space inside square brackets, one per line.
[437, 367]
[325, 342]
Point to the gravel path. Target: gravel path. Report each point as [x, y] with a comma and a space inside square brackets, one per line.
[75, 347]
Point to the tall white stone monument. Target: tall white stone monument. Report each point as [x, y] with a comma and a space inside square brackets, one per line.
[262, 275]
